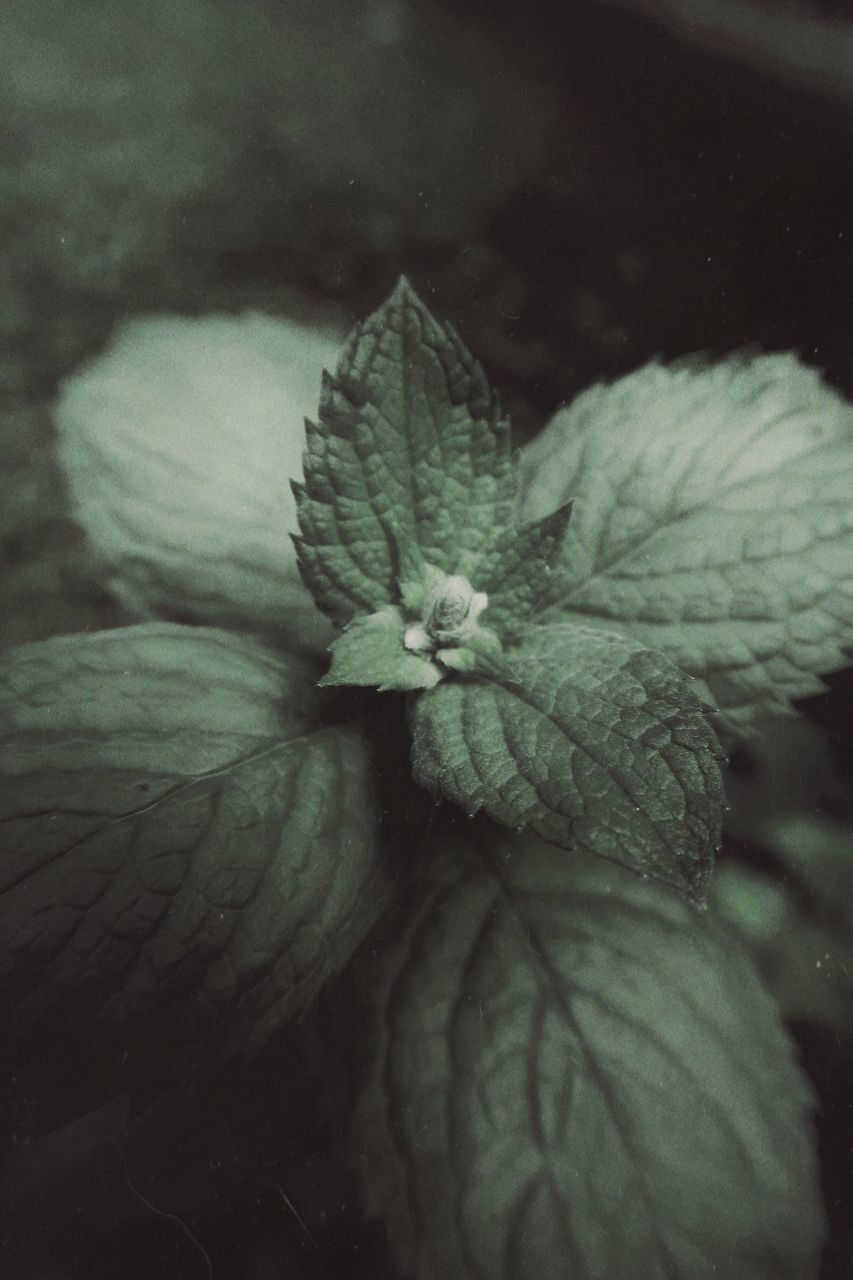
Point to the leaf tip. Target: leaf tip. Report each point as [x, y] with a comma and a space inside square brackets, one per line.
[404, 295]
[403, 290]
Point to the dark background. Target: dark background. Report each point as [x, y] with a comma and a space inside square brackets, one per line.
[579, 187]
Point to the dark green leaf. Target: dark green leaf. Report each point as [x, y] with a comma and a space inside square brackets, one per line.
[410, 452]
[600, 744]
[563, 1072]
[178, 444]
[521, 575]
[178, 836]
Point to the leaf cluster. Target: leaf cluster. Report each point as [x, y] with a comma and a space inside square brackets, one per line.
[507, 774]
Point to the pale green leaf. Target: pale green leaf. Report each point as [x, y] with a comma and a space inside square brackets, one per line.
[712, 519]
[410, 460]
[371, 651]
[179, 443]
[562, 1072]
[599, 744]
[179, 837]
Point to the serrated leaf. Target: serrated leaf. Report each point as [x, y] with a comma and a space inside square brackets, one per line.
[371, 651]
[521, 575]
[564, 1072]
[410, 450]
[712, 520]
[482, 655]
[180, 839]
[600, 745]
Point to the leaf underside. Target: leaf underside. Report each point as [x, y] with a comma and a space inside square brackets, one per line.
[562, 1072]
[600, 745]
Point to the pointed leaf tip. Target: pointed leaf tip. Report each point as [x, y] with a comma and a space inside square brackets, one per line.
[520, 573]
[409, 439]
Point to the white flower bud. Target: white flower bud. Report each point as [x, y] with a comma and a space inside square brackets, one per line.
[452, 609]
[179, 444]
[448, 604]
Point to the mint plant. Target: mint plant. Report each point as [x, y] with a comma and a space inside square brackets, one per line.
[558, 1061]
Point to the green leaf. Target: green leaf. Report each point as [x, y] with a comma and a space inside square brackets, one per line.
[181, 840]
[521, 575]
[564, 1072]
[410, 453]
[179, 443]
[371, 652]
[600, 745]
[803, 948]
[712, 520]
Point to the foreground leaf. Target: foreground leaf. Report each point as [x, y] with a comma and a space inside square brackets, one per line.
[180, 840]
[410, 458]
[567, 1073]
[599, 744]
[712, 520]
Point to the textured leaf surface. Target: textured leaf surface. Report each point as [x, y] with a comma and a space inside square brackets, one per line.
[371, 652]
[712, 520]
[569, 1073]
[601, 745]
[178, 836]
[179, 444]
[521, 576]
[410, 451]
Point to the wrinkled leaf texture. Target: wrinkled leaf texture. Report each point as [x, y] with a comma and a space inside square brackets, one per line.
[598, 744]
[180, 838]
[410, 459]
[712, 519]
[371, 651]
[567, 1073]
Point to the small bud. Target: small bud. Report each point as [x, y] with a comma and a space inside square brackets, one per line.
[449, 604]
[452, 609]
[417, 639]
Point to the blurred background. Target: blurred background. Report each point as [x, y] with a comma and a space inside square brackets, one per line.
[579, 187]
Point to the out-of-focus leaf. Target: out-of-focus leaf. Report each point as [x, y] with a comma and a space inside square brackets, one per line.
[567, 1072]
[182, 843]
[179, 444]
[797, 915]
[795, 909]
